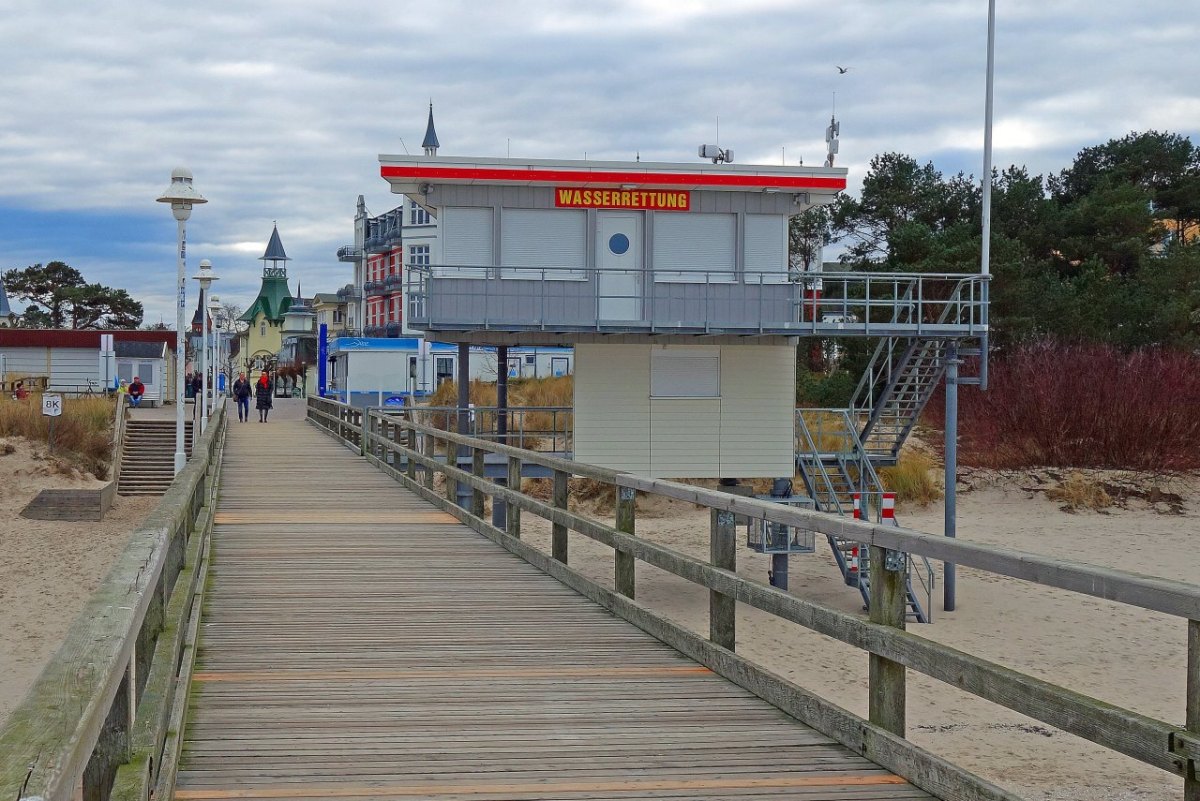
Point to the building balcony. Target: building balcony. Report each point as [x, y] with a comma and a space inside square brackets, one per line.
[374, 331]
[393, 330]
[349, 253]
[374, 288]
[564, 301]
[349, 293]
[394, 282]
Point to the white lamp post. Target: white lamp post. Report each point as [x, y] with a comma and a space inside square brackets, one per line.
[205, 276]
[214, 308]
[182, 196]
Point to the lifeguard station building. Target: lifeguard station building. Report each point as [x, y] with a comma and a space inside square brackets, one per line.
[670, 281]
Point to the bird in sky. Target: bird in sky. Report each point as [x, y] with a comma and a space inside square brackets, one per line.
[842, 70]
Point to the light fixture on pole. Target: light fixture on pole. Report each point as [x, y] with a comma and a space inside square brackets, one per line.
[214, 309]
[182, 196]
[205, 277]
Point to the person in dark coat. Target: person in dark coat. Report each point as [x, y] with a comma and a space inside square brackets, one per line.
[262, 397]
[241, 394]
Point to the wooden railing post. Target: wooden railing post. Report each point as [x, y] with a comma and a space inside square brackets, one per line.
[624, 570]
[722, 608]
[558, 532]
[478, 497]
[512, 520]
[886, 707]
[1191, 767]
[451, 460]
[430, 449]
[410, 466]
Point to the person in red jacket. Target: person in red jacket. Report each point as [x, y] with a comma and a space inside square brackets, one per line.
[136, 390]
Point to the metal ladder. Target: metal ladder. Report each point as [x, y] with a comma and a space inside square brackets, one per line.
[833, 464]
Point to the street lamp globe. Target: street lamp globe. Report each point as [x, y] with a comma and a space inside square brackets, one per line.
[182, 196]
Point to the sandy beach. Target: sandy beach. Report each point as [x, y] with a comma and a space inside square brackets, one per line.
[48, 568]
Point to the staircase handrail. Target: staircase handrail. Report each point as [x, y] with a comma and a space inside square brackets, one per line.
[802, 430]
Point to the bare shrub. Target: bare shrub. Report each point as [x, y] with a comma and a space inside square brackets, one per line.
[1050, 404]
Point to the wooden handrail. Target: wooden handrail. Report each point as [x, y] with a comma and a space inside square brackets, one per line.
[84, 707]
[1171, 747]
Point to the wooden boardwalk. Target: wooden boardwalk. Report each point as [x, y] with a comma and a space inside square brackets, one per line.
[357, 643]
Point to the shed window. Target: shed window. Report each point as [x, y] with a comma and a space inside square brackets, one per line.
[466, 242]
[765, 249]
[695, 248]
[552, 240]
[685, 372]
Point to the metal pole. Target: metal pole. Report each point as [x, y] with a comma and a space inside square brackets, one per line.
[464, 419]
[180, 350]
[502, 394]
[199, 407]
[985, 257]
[948, 602]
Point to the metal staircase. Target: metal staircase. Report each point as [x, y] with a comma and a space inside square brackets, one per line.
[835, 467]
[893, 392]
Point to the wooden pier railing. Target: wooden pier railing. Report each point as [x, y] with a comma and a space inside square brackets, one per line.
[102, 720]
[405, 450]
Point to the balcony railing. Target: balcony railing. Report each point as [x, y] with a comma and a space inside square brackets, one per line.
[563, 300]
[349, 293]
[349, 253]
[374, 288]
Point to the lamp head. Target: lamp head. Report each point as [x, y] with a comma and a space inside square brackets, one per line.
[181, 194]
[206, 275]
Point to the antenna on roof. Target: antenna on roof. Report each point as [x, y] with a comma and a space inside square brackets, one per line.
[404, 146]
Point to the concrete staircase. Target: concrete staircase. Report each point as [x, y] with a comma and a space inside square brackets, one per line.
[148, 456]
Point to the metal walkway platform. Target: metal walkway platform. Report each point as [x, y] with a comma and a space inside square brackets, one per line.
[358, 643]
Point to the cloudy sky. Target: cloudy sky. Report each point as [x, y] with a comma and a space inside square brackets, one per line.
[281, 109]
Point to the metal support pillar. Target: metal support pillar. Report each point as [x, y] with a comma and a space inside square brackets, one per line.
[502, 394]
[463, 453]
[779, 571]
[951, 527]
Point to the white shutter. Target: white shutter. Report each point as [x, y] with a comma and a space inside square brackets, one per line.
[466, 235]
[765, 258]
[543, 238]
[695, 248]
[685, 372]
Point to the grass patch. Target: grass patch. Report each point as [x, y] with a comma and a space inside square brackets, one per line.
[912, 479]
[82, 434]
[1080, 492]
[558, 391]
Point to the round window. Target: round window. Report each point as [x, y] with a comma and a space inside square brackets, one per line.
[618, 244]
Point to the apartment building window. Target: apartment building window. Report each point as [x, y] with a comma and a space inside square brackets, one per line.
[417, 215]
[418, 255]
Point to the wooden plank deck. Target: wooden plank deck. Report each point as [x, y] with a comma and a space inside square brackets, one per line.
[358, 643]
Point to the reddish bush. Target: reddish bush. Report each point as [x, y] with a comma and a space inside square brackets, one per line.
[1082, 406]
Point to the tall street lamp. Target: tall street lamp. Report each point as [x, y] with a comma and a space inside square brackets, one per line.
[206, 277]
[214, 308]
[182, 196]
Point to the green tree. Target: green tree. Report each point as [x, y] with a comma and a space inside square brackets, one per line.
[58, 297]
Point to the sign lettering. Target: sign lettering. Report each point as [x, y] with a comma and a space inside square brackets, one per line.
[52, 405]
[650, 199]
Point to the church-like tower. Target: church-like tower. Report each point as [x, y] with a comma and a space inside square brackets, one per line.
[264, 317]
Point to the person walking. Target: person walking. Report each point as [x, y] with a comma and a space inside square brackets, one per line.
[241, 394]
[197, 392]
[262, 396]
[136, 390]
